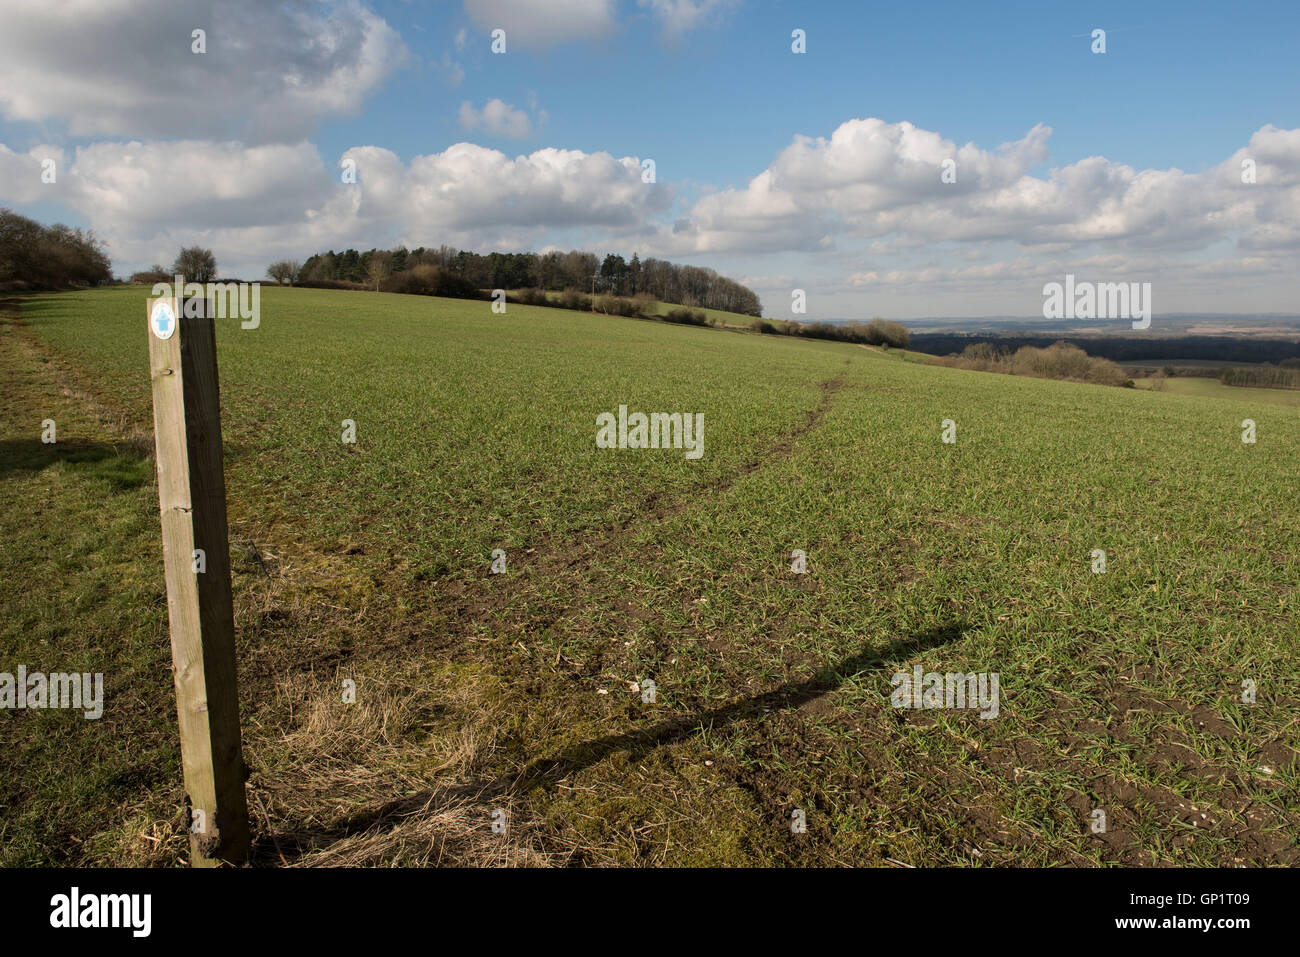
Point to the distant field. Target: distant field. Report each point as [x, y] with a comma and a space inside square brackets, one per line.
[1185, 364]
[1213, 388]
[1120, 691]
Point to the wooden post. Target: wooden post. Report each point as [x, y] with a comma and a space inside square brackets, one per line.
[196, 556]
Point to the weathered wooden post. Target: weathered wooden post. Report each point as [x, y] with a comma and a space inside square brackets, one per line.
[196, 556]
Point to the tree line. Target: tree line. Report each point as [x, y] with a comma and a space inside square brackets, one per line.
[1060, 360]
[554, 271]
[1285, 375]
[877, 332]
[1125, 348]
[33, 256]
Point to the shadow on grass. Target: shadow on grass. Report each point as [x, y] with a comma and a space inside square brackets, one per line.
[124, 466]
[640, 742]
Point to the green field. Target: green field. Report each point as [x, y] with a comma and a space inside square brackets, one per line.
[1119, 691]
[1213, 388]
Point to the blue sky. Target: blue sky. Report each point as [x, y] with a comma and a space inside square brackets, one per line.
[710, 90]
[1182, 84]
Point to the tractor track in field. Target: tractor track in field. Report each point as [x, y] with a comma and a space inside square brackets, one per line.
[445, 614]
[462, 604]
[481, 600]
[73, 385]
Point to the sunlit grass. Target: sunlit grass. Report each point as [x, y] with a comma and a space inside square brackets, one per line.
[475, 431]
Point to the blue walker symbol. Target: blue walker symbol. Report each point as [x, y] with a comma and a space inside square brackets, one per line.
[163, 320]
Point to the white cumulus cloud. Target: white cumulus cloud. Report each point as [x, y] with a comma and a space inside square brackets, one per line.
[254, 204]
[875, 180]
[496, 117]
[127, 67]
[679, 17]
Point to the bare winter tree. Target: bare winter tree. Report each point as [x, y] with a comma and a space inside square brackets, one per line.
[285, 271]
[196, 264]
[379, 267]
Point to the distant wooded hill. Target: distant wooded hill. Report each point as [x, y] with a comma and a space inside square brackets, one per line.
[553, 271]
[1126, 348]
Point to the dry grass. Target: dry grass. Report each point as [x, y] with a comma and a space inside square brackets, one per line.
[382, 780]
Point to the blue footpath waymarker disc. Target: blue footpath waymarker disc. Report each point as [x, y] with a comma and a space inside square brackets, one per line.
[162, 320]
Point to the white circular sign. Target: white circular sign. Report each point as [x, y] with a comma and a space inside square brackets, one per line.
[163, 320]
